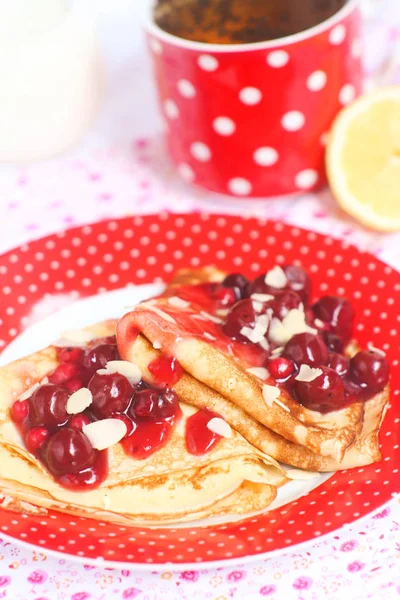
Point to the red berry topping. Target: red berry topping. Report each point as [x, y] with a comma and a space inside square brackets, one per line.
[241, 315]
[323, 394]
[166, 370]
[225, 297]
[339, 363]
[338, 313]
[285, 302]
[64, 372]
[78, 421]
[71, 354]
[35, 438]
[47, 406]
[280, 368]
[369, 370]
[68, 451]
[19, 410]
[73, 385]
[333, 342]
[308, 349]
[238, 283]
[146, 401]
[111, 394]
[130, 425]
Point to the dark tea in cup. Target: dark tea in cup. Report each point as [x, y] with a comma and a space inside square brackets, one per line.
[241, 21]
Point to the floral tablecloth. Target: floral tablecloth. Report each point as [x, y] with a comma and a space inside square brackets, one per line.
[121, 169]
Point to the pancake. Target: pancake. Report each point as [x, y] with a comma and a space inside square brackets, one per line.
[169, 486]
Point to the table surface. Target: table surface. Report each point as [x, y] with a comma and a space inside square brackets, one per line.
[121, 169]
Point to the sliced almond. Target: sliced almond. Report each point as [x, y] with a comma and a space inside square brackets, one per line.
[256, 334]
[279, 403]
[259, 372]
[79, 401]
[222, 312]
[209, 336]
[44, 381]
[278, 334]
[28, 393]
[264, 344]
[105, 433]
[178, 302]
[159, 312]
[219, 426]
[270, 394]
[212, 318]
[157, 345]
[276, 278]
[102, 372]
[126, 368]
[258, 306]
[377, 350]
[277, 350]
[295, 322]
[319, 323]
[299, 474]
[308, 373]
[261, 297]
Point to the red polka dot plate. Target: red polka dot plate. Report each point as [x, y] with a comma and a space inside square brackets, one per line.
[76, 275]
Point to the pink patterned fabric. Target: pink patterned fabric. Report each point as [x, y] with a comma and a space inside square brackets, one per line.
[126, 172]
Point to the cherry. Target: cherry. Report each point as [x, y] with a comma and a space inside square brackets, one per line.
[308, 349]
[78, 421]
[325, 393]
[64, 372]
[370, 370]
[241, 315]
[19, 410]
[73, 385]
[47, 406]
[145, 402]
[338, 313]
[130, 425]
[285, 302]
[35, 438]
[71, 354]
[111, 394]
[280, 368]
[333, 342]
[68, 451]
[298, 281]
[339, 363]
[99, 356]
[225, 296]
[239, 283]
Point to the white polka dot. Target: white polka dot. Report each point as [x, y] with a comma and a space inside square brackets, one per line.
[224, 126]
[278, 58]
[239, 186]
[317, 81]
[250, 95]
[207, 62]
[347, 94]
[171, 109]
[200, 151]
[356, 48]
[186, 172]
[156, 46]
[265, 156]
[293, 120]
[306, 179]
[337, 35]
[186, 88]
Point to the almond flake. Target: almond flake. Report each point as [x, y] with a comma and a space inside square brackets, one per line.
[307, 373]
[270, 394]
[279, 403]
[209, 336]
[102, 372]
[276, 278]
[319, 323]
[44, 381]
[377, 350]
[257, 334]
[212, 318]
[259, 372]
[298, 474]
[79, 401]
[28, 393]
[78, 336]
[219, 426]
[295, 322]
[264, 344]
[105, 433]
[157, 345]
[159, 312]
[278, 350]
[278, 334]
[258, 306]
[126, 368]
[178, 302]
[261, 297]
[222, 312]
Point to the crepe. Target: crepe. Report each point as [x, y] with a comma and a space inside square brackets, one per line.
[219, 381]
[169, 486]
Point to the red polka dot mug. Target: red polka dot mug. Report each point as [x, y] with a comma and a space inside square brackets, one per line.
[252, 119]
